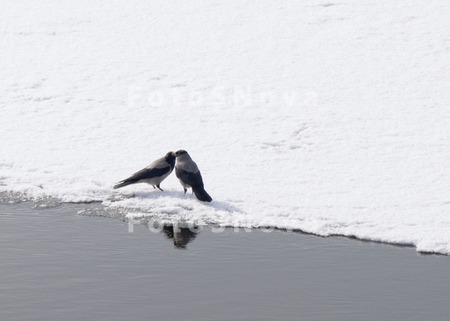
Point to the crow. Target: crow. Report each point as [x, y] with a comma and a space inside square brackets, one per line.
[189, 176]
[153, 174]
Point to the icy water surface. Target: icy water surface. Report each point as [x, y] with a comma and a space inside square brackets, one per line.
[57, 265]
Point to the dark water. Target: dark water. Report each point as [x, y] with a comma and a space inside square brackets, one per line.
[57, 265]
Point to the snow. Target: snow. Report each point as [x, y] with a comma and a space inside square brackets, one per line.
[329, 117]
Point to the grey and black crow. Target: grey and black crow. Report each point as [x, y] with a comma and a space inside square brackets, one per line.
[153, 174]
[189, 176]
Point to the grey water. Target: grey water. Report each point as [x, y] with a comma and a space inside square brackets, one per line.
[58, 265]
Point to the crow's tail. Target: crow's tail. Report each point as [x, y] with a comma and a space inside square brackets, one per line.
[123, 183]
[201, 194]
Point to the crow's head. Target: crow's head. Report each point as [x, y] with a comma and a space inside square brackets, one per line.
[180, 152]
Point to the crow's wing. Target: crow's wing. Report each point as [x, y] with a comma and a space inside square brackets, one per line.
[189, 178]
[146, 173]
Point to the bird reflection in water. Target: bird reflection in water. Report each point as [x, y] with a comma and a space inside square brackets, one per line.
[181, 236]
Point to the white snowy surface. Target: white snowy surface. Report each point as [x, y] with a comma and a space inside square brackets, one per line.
[332, 117]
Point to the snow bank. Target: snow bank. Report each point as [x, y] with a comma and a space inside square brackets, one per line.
[330, 117]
